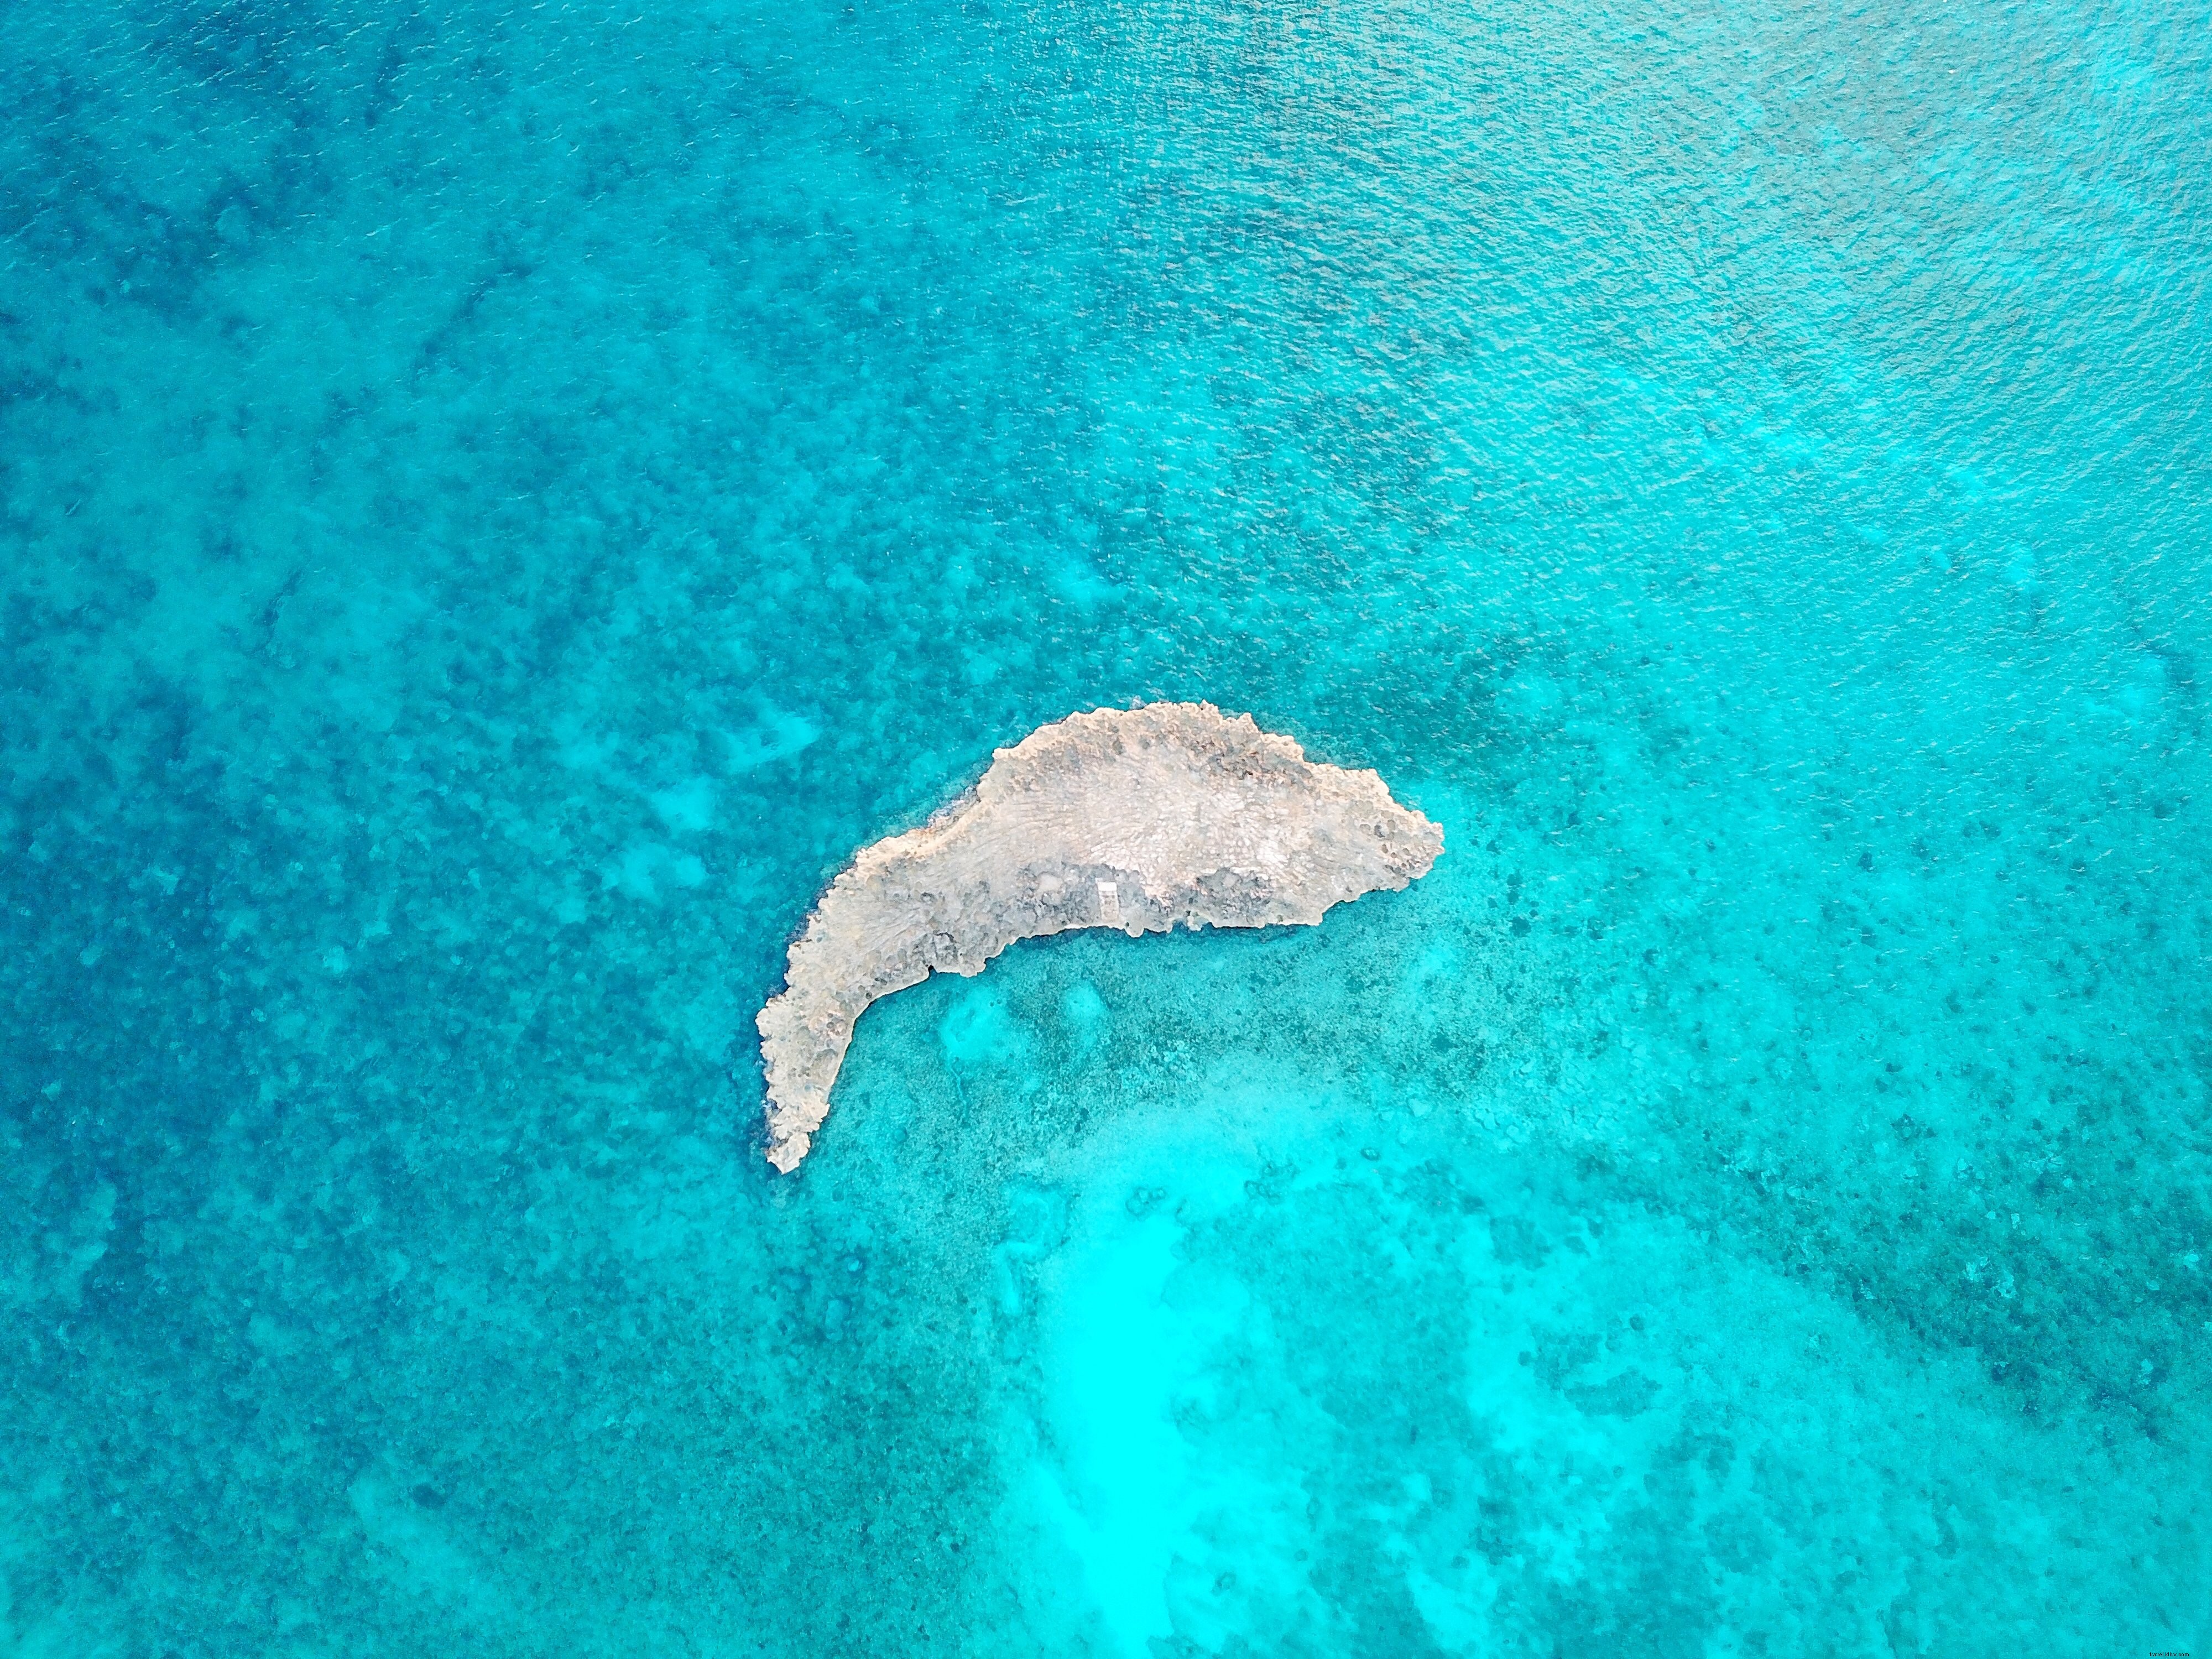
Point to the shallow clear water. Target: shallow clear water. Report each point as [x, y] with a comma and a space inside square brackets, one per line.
[500, 501]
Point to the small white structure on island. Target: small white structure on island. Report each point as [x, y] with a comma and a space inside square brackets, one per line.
[1135, 819]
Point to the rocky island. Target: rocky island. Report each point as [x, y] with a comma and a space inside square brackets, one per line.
[1134, 819]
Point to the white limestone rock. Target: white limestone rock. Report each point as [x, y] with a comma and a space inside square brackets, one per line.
[1131, 818]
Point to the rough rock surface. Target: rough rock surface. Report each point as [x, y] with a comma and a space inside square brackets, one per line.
[1131, 818]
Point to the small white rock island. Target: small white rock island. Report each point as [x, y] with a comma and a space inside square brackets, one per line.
[1134, 819]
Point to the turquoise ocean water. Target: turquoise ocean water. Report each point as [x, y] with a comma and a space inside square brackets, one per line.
[497, 501]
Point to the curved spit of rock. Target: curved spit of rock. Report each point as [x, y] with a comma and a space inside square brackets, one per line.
[1131, 818]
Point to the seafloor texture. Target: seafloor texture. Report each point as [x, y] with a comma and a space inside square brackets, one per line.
[1134, 819]
[497, 501]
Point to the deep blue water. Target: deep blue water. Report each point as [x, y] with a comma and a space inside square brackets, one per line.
[497, 502]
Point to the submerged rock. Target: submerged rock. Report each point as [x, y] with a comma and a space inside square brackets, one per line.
[1130, 819]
